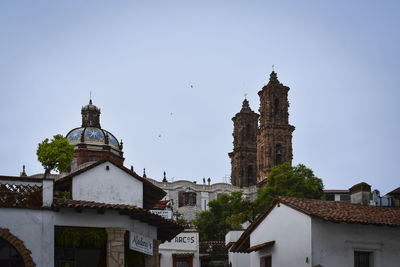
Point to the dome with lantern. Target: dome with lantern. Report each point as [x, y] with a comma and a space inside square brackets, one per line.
[91, 142]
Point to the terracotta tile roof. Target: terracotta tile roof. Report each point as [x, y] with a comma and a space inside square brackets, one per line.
[261, 246]
[336, 191]
[344, 212]
[332, 211]
[161, 205]
[166, 229]
[394, 192]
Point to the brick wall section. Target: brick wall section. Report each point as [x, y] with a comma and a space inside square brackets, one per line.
[115, 247]
[18, 245]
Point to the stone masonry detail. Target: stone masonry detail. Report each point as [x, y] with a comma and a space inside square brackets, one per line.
[115, 247]
[244, 155]
[274, 136]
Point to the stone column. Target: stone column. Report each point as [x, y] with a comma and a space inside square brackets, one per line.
[154, 260]
[115, 247]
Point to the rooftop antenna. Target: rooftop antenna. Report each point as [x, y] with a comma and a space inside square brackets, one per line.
[273, 67]
[245, 96]
[225, 178]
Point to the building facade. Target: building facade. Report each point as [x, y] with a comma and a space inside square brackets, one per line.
[305, 232]
[82, 220]
[189, 198]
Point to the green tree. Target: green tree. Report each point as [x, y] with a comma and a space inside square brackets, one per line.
[225, 213]
[285, 180]
[56, 154]
[230, 211]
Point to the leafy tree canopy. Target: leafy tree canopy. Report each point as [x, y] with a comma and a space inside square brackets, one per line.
[56, 154]
[225, 213]
[230, 211]
[285, 180]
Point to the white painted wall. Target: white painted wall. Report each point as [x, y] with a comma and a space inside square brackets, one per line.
[112, 186]
[334, 243]
[36, 227]
[185, 242]
[236, 259]
[291, 231]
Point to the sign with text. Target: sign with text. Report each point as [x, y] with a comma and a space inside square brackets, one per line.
[187, 241]
[141, 243]
[167, 214]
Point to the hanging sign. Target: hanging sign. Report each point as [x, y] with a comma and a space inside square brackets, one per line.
[141, 243]
[167, 214]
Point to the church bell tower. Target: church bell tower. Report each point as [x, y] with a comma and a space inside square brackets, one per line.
[244, 155]
[274, 137]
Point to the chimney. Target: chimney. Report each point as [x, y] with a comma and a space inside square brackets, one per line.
[360, 194]
[47, 193]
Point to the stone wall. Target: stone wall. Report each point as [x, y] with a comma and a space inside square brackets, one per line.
[115, 247]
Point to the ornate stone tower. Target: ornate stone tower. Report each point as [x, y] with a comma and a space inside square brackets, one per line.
[244, 155]
[274, 137]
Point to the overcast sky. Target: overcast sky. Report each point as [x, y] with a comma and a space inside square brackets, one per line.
[140, 59]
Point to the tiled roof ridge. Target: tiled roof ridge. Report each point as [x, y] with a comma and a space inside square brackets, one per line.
[332, 211]
[168, 230]
[72, 203]
[337, 211]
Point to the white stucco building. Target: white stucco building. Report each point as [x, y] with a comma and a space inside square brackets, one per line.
[182, 250]
[310, 233]
[189, 198]
[105, 220]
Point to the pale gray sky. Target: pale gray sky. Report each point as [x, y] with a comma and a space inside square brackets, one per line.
[140, 58]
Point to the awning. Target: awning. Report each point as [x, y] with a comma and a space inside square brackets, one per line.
[261, 246]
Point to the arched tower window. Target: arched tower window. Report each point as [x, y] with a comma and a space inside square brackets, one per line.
[248, 130]
[250, 175]
[278, 154]
[276, 106]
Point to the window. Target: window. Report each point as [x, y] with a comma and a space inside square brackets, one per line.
[250, 175]
[276, 106]
[74, 164]
[344, 197]
[330, 197]
[93, 158]
[278, 154]
[362, 259]
[182, 261]
[187, 199]
[266, 261]
[248, 130]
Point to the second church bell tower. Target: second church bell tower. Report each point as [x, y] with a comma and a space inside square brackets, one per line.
[274, 136]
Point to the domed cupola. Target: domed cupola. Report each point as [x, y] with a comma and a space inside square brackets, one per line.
[91, 142]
